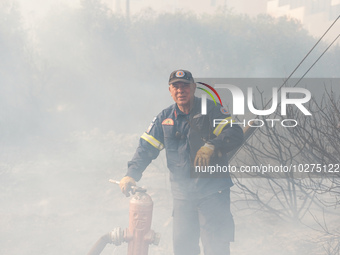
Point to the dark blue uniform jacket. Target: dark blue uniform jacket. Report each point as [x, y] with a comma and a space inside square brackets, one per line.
[182, 135]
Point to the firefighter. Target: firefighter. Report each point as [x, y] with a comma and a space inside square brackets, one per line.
[192, 141]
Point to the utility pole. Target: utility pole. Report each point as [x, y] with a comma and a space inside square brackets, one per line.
[128, 10]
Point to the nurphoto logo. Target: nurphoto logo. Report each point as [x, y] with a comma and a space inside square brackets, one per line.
[289, 96]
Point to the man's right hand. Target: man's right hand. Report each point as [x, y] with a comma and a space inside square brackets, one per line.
[125, 185]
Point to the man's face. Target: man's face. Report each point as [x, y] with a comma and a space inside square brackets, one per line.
[182, 93]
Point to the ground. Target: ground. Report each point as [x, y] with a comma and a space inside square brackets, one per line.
[58, 200]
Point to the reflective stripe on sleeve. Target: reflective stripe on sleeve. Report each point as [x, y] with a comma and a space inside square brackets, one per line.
[153, 141]
[220, 126]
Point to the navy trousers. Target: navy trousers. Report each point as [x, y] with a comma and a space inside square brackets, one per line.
[209, 218]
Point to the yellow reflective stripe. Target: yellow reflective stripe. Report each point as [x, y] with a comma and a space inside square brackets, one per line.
[154, 142]
[220, 126]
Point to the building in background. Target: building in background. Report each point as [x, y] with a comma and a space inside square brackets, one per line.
[315, 15]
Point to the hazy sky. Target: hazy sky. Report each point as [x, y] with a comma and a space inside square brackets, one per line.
[33, 10]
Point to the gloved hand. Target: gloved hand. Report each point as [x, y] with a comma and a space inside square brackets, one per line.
[125, 185]
[204, 154]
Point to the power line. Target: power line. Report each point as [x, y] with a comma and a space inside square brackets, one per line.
[251, 130]
[284, 83]
[309, 52]
[317, 60]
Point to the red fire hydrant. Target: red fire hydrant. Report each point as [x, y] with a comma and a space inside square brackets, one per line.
[139, 234]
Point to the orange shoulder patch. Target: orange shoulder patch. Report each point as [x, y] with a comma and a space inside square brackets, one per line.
[168, 122]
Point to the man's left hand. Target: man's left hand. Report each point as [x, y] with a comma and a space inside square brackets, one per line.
[204, 154]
